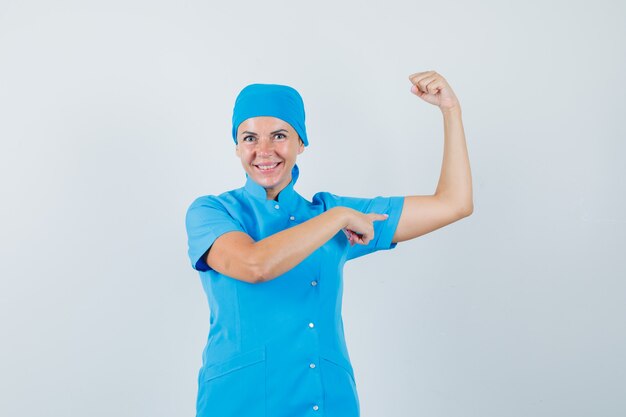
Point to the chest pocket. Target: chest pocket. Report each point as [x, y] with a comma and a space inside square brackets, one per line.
[234, 386]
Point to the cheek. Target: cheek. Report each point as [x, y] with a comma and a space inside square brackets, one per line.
[288, 152]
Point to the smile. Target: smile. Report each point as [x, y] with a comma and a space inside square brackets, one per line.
[268, 168]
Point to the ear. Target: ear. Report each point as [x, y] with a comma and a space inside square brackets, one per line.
[237, 150]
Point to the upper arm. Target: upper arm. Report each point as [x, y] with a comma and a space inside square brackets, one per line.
[423, 214]
[383, 229]
[209, 226]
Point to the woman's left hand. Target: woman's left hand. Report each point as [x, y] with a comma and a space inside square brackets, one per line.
[434, 89]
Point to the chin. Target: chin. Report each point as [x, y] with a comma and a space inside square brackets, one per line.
[268, 184]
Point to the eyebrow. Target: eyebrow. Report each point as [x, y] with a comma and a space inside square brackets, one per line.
[276, 131]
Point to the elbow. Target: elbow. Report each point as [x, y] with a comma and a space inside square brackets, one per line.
[458, 207]
[260, 270]
[466, 210]
[257, 273]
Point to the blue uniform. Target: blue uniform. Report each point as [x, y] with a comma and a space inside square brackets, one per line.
[277, 348]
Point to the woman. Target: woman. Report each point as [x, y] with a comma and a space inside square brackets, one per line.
[271, 262]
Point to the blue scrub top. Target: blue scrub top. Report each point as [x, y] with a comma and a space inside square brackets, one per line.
[277, 348]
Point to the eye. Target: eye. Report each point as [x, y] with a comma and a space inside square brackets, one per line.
[246, 137]
[280, 134]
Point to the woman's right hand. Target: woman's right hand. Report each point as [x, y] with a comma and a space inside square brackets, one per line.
[360, 226]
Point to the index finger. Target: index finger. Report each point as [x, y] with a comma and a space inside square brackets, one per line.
[380, 216]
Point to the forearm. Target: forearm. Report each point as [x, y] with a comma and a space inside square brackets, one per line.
[455, 181]
[280, 252]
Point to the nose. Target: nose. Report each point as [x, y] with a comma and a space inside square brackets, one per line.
[265, 146]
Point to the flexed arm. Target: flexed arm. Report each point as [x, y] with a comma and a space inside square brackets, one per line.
[452, 199]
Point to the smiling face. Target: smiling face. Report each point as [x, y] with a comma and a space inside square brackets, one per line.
[268, 148]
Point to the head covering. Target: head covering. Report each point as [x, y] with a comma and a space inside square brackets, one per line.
[275, 100]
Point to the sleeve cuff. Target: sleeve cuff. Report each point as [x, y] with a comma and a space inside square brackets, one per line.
[394, 211]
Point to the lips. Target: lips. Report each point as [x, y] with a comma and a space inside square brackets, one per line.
[268, 167]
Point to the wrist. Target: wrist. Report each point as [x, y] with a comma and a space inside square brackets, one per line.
[451, 111]
[341, 214]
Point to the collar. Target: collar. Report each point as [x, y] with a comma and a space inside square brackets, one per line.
[287, 197]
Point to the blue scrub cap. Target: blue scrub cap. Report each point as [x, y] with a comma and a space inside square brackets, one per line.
[275, 100]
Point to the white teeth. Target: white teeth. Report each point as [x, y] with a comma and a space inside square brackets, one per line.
[264, 167]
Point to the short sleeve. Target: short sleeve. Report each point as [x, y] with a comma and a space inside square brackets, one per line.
[205, 221]
[383, 229]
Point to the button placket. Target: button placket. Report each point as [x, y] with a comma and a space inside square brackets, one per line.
[313, 360]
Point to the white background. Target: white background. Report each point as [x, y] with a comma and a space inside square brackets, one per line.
[115, 115]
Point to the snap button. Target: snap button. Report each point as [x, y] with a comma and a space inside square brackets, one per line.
[312, 365]
[276, 206]
[311, 325]
[292, 218]
[314, 283]
[315, 407]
